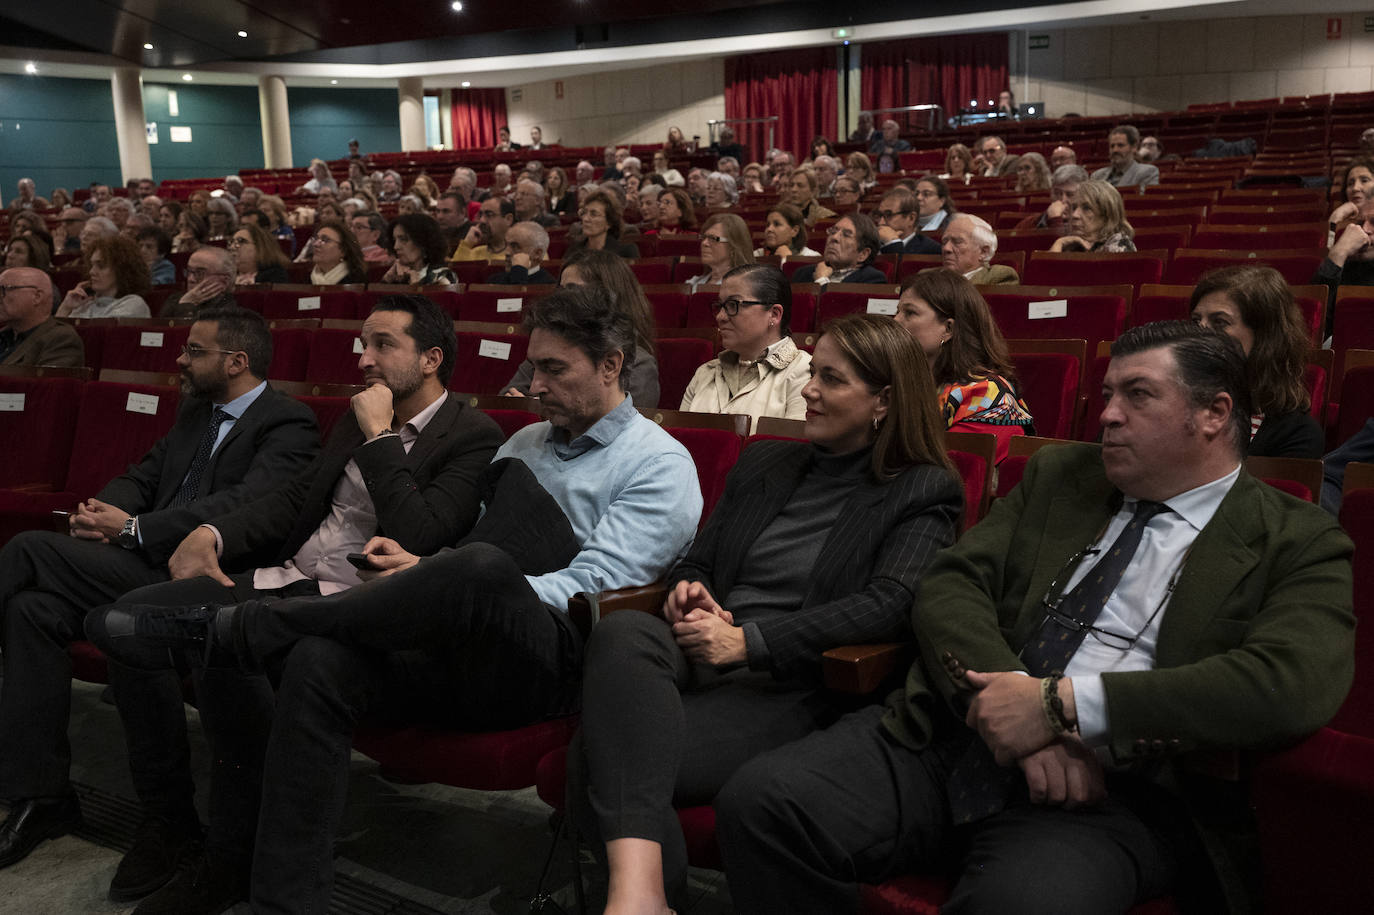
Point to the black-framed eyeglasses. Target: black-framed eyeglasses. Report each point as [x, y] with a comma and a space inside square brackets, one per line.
[6, 290]
[732, 306]
[237, 242]
[326, 240]
[707, 236]
[191, 351]
[889, 215]
[1054, 599]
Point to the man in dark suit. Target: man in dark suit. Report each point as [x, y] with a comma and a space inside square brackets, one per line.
[404, 463]
[896, 218]
[526, 245]
[850, 245]
[1118, 631]
[29, 334]
[234, 439]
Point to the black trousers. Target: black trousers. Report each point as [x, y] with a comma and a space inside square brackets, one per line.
[658, 731]
[802, 826]
[460, 640]
[48, 582]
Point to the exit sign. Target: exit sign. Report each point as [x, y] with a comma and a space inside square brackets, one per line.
[1039, 42]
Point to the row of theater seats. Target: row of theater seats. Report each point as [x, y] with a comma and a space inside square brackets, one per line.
[117, 421]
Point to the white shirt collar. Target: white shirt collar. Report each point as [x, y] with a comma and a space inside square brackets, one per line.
[1198, 505]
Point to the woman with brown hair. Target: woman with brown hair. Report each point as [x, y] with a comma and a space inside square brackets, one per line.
[725, 245]
[115, 285]
[562, 198]
[815, 544]
[859, 167]
[600, 227]
[1255, 307]
[784, 234]
[975, 382]
[958, 164]
[676, 214]
[336, 255]
[258, 257]
[191, 233]
[1097, 221]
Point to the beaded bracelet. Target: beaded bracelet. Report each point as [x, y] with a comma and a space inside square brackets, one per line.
[1053, 706]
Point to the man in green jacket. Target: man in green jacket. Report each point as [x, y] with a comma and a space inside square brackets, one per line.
[1093, 655]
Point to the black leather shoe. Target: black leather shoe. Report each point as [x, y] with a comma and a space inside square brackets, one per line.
[33, 820]
[213, 885]
[151, 637]
[160, 848]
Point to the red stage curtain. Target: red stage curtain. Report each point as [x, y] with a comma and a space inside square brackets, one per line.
[799, 87]
[949, 70]
[477, 114]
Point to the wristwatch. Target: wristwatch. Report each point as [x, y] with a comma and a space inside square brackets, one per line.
[128, 538]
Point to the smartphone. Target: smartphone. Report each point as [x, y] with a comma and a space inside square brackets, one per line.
[361, 561]
[61, 522]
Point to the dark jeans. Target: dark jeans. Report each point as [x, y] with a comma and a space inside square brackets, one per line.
[657, 731]
[802, 826]
[48, 582]
[460, 640]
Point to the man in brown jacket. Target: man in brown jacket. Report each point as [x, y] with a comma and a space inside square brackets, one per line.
[30, 334]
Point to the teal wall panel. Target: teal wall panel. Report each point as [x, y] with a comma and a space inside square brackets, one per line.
[226, 134]
[59, 132]
[324, 120]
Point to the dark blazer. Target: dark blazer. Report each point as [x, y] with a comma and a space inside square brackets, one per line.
[50, 343]
[1289, 435]
[917, 244]
[862, 586]
[425, 500]
[807, 274]
[273, 441]
[271, 274]
[521, 276]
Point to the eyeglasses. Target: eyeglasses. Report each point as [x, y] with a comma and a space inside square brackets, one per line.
[6, 290]
[326, 240]
[191, 351]
[1054, 599]
[239, 242]
[843, 233]
[889, 215]
[927, 193]
[732, 306]
[718, 239]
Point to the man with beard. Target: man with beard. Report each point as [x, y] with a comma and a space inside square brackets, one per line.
[404, 463]
[486, 239]
[1123, 142]
[235, 438]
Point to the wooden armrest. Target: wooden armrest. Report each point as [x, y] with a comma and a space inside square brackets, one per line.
[646, 598]
[860, 669]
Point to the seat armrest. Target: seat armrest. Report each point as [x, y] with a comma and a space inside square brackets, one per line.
[586, 609]
[860, 669]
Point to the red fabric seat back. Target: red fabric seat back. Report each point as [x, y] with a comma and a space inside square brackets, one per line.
[669, 308]
[1093, 318]
[290, 353]
[1092, 389]
[496, 305]
[40, 413]
[334, 357]
[1357, 403]
[714, 451]
[93, 339]
[1357, 518]
[290, 303]
[1046, 269]
[112, 431]
[1189, 264]
[678, 360]
[1049, 386]
[881, 300]
[512, 421]
[141, 348]
[1260, 237]
[697, 312]
[973, 470]
[486, 363]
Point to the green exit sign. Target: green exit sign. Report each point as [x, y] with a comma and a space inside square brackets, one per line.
[1039, 42]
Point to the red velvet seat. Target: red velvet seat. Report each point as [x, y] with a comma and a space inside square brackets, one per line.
[1189, 264]
[678, 360]
[1091, 428]
[1261, 236]
[92, 334]
[334, 357]
[503, 304]
[669, 305]
[143, 348]
[290, 353]
[310, 303]
[855, 298]
[650, 271]
[41, 414]
[1356, 715]
[486, 363]
[1049, 386]
[1046, 268]
[713, 440]
[1091, 315]
[973, 454]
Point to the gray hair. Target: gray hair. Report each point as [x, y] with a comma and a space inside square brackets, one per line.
[106, 226]
[631, 162]
[983, 235]
[538, 188]
[120, 203]
[829, 160]
[235, 179]
[726, 160]
[225, 260]
[538, 234]
[362, 205]
[1068, 174]
[650, 190]
[727, 182]
[220, 205]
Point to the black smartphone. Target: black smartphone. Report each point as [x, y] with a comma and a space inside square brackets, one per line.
[361, 561]
[61, 522]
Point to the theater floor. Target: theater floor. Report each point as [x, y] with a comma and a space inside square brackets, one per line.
[402, 849]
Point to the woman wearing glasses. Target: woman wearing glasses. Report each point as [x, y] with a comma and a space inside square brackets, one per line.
[933, 206]
[600, 227]
[418, 245]
[760, 371]
[336, 256]
[725, 245]
[814, 545]
[676, 215]
[975, 382]
[257, 256]
[611, 273]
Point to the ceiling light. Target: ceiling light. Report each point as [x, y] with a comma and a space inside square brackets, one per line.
[333, 82]
[147, 45]
[30, 67]
[186, 77]
[466, 84]
[242, 33]
[456, 6]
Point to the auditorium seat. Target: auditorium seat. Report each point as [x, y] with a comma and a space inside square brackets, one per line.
[1079, 269]
[855, 298]
[329, 402]
[973, 454]
[486, 362]
[653, 270]
[1048, 383]
[497, 303]
[1357, 395]
[1059, 312]
[1189, 264]
[290, 352]
[1299, 477]
[1270, 236]
[92, 334]
[678, 360]
[334, 357]
[40, 412]
[143, 347]
[310, 302]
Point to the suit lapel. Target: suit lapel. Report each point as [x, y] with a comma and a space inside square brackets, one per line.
[850, 532]
[759, 506]
[435, 432]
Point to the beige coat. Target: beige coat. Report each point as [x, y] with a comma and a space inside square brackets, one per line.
[774, 391]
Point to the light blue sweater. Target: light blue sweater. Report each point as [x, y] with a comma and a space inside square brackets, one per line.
[630, 492]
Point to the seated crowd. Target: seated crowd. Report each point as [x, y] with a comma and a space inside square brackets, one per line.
[1067, 666]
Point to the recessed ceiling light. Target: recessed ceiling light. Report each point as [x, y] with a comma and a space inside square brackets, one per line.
[456, 6]
[242, 33]
[147, 45]
[466, 84]
[333, 82]
[30, 67]
[186, 77]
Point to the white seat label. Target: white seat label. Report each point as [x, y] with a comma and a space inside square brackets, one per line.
[141, 403]
[308, 303]
[494, 349]
[1052, 308]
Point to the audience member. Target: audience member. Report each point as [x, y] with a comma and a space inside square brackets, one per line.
[154, 245]
[1350, 259]
[336, 257]
[503, 141]
[1064, 185]
[803, 185]
[501, 180]
[536, 138]
[1062, 156]
[28, 251]
[486, 239]
[610, 272]
[850, 246]
[885, 149]
[648, 208]
[992, 160]
[676, 144]
[728, 147]
[609, 159]
[368, 229]
[731, 666]
[696, 186]
[967, 247]
[760, 371]
[1151, 150]
[28, 198]
[1356, 186]
[118, 211]
[864, 131]
[115, 283]
[1255, 307]
[827, 169]
[933, 204]
[974, 377]
[598, 497]
[751, 179]
[418, 246]
[94, 229]
[258, 257]
[120, 540]
[959, 167]
[1007, 771]
[100, 195]
[1122, 143]
[721, 190]
[66, 236]
[529, 204]
[784, 234]
[600, 227]
[320, 178]
[221, 219]
[727, 165]
[1032, 173]
[527, 243]
[725, 245]
[450, 211]
[671, 176]
[676, 215]
[898, 232]
[860, 168]
[562, 198]
[1097, 221]
[29, 334]
[848, 195]
[192, 233]
[210, 276]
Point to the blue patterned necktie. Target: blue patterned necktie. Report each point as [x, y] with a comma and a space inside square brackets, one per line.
[977, 786]
[190, 486]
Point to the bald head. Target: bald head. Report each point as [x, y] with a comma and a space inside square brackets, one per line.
[28, 299]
